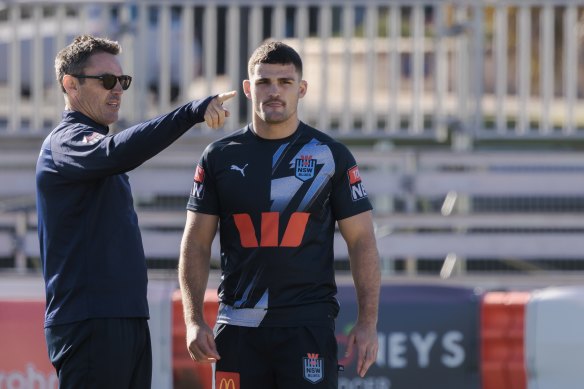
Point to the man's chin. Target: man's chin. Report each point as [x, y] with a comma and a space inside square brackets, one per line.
[274, 119]
[111, 119]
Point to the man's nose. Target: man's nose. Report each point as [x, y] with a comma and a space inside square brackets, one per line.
[274, 89]
[118, 88]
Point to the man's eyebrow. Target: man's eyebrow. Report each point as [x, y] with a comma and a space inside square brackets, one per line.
[278, 78]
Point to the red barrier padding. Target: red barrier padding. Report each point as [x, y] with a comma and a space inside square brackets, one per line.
[24, 361]
[502, 340]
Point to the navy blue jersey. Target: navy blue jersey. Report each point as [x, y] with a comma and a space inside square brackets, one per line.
[90, 244]
[277, 202]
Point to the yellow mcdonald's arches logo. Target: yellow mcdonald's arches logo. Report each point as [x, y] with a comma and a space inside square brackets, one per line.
[226, 380]
[227, 383]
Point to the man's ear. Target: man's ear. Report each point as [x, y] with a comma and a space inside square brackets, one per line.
[247, 88]
[69, 83]
[303, 88]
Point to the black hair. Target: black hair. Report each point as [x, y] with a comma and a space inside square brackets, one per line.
[274, 52]
[73, 58]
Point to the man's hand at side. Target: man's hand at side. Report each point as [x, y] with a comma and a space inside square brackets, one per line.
[201, 343]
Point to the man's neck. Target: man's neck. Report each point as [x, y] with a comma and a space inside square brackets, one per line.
[275, 131]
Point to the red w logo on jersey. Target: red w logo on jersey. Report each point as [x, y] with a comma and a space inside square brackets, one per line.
[269, 230]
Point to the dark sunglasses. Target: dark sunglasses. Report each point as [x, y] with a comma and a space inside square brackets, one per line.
[109, 80]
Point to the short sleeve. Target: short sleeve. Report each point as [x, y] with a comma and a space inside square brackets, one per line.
[203, 195]
[348, 194]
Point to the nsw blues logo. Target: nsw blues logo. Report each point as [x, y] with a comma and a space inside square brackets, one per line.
[305, 167]
[313, 370]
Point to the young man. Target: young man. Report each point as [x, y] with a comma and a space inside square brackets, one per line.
[276, 189]
[91, 249]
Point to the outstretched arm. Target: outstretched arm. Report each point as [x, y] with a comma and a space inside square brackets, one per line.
[82, 153]
[359, 235]
[193, 270]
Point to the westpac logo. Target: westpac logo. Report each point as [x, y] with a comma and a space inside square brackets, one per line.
[355, 184]
[305, 167]
[226, 380]
[313, 368]
[270, 227]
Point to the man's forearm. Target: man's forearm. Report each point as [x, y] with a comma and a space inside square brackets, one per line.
[367, 278]
[193, 276]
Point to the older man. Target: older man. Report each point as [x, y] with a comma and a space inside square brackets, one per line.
[91, 249]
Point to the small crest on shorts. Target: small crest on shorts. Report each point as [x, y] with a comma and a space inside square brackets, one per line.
[313, 368]
[305, 166]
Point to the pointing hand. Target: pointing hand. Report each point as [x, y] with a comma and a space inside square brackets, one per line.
[215, 114]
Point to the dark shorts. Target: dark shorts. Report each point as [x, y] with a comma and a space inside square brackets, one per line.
[270, 357]
[101, 353]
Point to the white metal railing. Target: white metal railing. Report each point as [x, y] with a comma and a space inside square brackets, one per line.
[375, 68]
[407, 177]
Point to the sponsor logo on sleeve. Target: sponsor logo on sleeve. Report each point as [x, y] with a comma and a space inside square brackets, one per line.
[93, 138]
[226, 380]
[198, 190]
[305, 167]
[355, 185]
[313, 368]
[200, 174]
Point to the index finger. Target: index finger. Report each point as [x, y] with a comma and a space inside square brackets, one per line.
[221, 98]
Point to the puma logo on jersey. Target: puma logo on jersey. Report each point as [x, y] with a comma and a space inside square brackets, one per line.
[239, 169]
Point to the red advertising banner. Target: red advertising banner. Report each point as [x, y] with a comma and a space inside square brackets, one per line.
[24, 362]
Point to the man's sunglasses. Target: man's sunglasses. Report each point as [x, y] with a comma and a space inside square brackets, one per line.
[109, 80]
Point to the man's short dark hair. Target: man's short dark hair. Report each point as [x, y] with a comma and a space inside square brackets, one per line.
[73, 58]
[274, 52]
